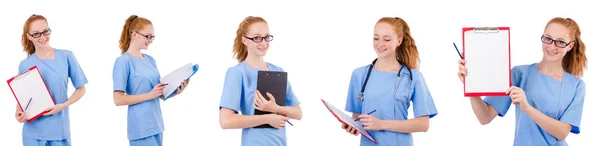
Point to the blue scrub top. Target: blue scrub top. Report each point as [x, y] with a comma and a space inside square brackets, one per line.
[238, 95]
[56, 73]
[379, 95]
[562, 101]
[138, 76]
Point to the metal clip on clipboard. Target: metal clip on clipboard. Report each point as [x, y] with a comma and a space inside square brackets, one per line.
[25, 73]
[486, 30]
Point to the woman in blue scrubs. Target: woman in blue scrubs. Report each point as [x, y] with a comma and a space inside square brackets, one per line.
[548, 95]
[56, 67]
[240, 94]
[136, 83]
[387, 86]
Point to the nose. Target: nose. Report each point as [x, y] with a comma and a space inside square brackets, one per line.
[263, 43]
[44, 37]
[378, 43]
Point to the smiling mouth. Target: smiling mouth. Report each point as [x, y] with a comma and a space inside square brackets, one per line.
[381, 50]
[551, 53]
[42, 42]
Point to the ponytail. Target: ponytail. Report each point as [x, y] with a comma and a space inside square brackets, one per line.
[239, 49]
[407, 52]
[574, 61]
[27, 44]
[132, 24]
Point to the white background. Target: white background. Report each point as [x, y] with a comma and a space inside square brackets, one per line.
[318, 42]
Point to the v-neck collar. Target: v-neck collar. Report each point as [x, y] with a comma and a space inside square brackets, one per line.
[37, 58]
[550, 77]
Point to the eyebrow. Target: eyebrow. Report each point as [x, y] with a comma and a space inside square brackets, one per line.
[382, 35]
[561, 39]
[41, 30]
[256, 34]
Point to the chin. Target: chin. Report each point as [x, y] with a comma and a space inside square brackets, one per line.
[383, 55]
[552, 58]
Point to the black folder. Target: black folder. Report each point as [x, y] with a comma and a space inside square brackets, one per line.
[274, 82]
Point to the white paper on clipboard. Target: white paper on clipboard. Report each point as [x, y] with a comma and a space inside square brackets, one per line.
[175, 78]
[31, 92]
[348, 120]
[487, 55]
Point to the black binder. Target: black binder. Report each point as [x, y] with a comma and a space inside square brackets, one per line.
[274, 82]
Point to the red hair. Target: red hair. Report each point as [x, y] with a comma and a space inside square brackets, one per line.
[407, 52]
[574, 61]
[132, 24]
[239, 49]
[27, 44]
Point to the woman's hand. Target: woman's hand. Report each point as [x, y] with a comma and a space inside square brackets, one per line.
[55, 109]
[371, 122]
[260, 103]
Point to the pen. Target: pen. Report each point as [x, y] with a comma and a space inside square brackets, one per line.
[164, 84]
[367, 114]
[287, 121]
[27, 106]
[457, 51]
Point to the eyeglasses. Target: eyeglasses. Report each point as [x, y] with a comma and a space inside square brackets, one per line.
[39, 34]
[557, 43]
[147, 36]
[258, 39]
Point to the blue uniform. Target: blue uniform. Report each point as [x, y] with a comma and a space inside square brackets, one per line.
[238, 95]
[379, 95]
[53, 129]
[562, 101]
[138, 76]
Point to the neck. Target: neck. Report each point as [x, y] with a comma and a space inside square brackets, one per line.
[388, 64]
[256, 62]
[135, 51]
[551, 68]
[44, 52]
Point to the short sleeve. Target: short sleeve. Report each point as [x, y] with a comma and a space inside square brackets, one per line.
[21, 68]
[421, 98]
[120, 74]
[291, 99]
[502, 103]
[232, 90]
[76, 74]
[572, 114]
[354, 105]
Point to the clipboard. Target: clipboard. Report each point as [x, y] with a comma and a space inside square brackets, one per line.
[340, 116]
[274, 82]
[487, 53]
[175, 78]
[31, 92]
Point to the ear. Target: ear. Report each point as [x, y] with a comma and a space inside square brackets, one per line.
[245, 41]
[133, 35]
[29, 37]
[571, 46]
[400, 41]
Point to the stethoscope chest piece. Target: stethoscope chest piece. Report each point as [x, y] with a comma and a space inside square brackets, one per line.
[360, 96]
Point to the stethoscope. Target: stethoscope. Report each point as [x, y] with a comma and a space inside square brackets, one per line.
[360, 96]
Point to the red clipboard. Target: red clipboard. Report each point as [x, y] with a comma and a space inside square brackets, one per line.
[499, 89]
[17, 83]
[348, 120]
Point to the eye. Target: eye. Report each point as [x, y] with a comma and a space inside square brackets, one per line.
[561, 43]
[387, 40]
[547, 39]
[375, 38]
